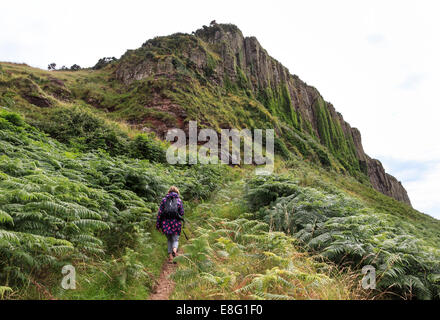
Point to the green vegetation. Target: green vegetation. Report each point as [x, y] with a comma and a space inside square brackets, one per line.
[81, 176]
[332, 136]
[280, 105]
[232, 256]
[235, 104]
[190, 91]
[348, 231]
[104, 62]
[60, 206]
[81, 129]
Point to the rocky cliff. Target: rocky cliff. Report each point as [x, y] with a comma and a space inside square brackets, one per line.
[385, 183]
[222, 54]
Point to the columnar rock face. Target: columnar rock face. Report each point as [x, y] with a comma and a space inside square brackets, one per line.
[385, 183]
[261, 69]
[238, 54]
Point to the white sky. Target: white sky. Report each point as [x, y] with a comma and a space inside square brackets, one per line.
[376, 61]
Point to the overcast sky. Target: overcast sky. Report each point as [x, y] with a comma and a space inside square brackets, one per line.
[376, 61]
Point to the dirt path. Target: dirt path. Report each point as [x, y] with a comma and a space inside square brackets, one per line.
[165, 287]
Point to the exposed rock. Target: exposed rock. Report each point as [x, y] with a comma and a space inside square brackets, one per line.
[358, 143]
[56, 88]
[31, 92]
[38, 101]
[245, 54]
[386, 183]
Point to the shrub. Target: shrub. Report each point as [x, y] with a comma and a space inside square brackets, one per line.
[103, 62]
[345, 231]
[243, 259]
[84, 130]
[7, 99]
[201, 180]
[55, 208]
[146, 147]
[13, 118]
[262, 191]
[11, 121]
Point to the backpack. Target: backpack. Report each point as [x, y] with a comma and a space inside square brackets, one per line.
[170, 209]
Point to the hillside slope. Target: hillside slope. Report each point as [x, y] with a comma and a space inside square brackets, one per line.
[82, 171]
[226, 58]
[223, 80]
[96, 212]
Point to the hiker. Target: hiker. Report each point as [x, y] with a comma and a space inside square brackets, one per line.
[169, 220]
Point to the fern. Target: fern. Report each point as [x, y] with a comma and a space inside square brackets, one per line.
[5, 217]
[3, 290]
[343, 230]
[55, 208]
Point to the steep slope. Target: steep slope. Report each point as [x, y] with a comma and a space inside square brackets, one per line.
[221, 79]
[242, 258]
[97, 212]
[221, 55]
[75, 164]
[384, 182]
[59, 206]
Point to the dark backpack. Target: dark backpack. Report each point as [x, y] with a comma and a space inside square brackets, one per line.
[170, 210]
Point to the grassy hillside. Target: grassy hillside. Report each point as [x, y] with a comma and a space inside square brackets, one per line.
[400, 243]
[80, 181]
[60, 206]
[97, 212]
[236, 252]
[164, 101]
[233, 256]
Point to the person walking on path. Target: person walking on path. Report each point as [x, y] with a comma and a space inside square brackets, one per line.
[169, 220]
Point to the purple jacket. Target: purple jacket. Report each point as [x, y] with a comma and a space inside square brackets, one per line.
[170, 226]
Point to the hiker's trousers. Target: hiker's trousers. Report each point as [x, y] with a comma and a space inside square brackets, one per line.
[173, 242]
